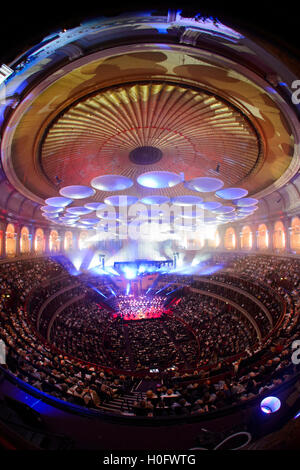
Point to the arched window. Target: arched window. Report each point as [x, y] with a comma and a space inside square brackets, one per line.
[230, 239]
[25, 240]
[262, 237]
[68, 241]
[10, 240]
[82, 242]
[295, 235]
[39, 241]
[279, 236]
[54, 241]
[246, 238]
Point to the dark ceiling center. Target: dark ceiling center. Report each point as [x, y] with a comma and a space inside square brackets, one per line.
[145, 155]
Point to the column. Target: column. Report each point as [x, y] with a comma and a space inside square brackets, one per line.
[287, 227]
[47, 239]
[270, 228]
[2, 241]
[18, 239]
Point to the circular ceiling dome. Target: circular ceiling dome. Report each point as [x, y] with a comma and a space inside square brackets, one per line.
[58, 201]
[247, 201]
[77, 192]
[93, 206]
[78, 210]
[126, 103]
[248, 209]
[120, 200]
[232, 193]
[158, 179]
[154, 200]
[186, 200]
[87, 139]
[70, 216]
[111, 183]
[89, 221]
[210, 205]
[204, 185]
[52, 209]
[50, 215]
[68, 220]
[223, 210]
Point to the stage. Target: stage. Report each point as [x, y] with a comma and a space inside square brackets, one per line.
[141, 307]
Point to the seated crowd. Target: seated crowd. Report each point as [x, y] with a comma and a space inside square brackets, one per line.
[202, 334]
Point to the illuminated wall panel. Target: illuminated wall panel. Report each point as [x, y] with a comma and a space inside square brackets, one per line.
[39, 241]
[246, 238]
[10, 240]
[230, 239]
[279, 241]
[68, 241]
[24, 241]
[262, 237]
[54, 241]
[295, 235]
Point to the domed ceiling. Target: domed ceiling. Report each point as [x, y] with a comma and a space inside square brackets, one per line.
[147, 106]
[193, 131]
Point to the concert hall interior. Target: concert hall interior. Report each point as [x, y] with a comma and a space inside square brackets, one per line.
[150, 229]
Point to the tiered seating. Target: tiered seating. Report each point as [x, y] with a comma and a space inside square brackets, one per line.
[157, 343]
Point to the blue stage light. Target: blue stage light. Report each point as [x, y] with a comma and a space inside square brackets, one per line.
[112, 271]
[98, 291]
[270, 404]
[130, 272]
